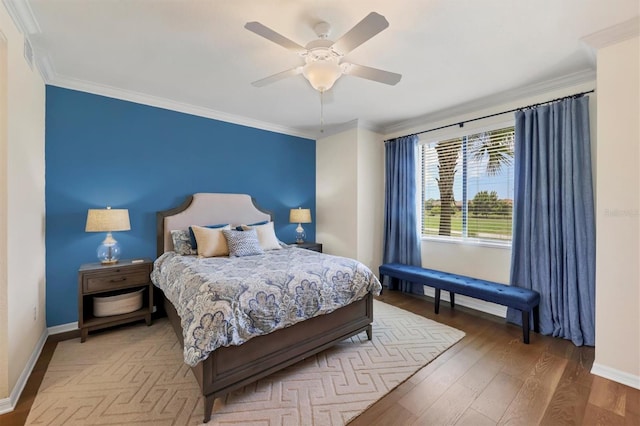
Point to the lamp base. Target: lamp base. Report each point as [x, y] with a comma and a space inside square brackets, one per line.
[300, 235]
[109, 251]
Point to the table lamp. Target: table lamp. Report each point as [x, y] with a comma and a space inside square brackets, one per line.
[300, 216]
[108, 220]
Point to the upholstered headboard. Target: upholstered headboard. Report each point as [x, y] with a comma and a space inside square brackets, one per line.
[207, 209]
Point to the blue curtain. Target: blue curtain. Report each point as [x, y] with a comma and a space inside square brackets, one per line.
[553, 248]
[401, 232]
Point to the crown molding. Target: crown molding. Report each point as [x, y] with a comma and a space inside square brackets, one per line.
[158, 102]
[45, 67]
[614, 34]
[22, 16]
[373, 127]
[579, 77]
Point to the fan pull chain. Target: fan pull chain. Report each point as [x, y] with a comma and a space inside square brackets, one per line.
[322, 111]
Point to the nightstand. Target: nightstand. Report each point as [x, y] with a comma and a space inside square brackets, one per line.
[96, 279]
[309, 246]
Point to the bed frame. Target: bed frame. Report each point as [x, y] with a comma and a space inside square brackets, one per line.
[230, 368]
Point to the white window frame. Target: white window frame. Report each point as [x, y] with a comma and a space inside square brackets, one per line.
[485, 125]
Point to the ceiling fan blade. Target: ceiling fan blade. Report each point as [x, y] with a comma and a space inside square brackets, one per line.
[275, 77]
[269, 34]
[371, 25]
[374, 74]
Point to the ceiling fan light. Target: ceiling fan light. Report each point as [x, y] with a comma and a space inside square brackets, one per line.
[322, 74]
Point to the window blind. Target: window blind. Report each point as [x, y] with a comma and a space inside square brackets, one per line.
[467, 186]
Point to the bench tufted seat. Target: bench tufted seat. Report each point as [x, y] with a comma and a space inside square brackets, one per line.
[524, 300]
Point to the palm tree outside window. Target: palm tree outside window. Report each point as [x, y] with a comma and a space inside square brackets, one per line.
[467, 186]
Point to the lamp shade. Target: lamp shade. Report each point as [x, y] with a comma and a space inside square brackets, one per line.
[107, 220]
[300, 215]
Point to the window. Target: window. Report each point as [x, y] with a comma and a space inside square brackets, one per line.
[467, 186]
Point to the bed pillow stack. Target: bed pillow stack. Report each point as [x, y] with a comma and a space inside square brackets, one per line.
[266, 235]
[222, 240]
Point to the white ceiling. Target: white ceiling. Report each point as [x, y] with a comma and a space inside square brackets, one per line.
[195, 55]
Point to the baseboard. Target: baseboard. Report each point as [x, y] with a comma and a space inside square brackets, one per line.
[63, 328]
[9, 404]
[616, 375]
[6, 406]
[470, 302]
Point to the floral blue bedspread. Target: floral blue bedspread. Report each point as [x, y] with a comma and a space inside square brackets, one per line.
[226, 301]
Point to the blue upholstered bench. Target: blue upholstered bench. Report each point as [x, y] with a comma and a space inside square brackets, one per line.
[524, 300]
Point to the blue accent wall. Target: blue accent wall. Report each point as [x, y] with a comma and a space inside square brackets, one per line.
[102, 151]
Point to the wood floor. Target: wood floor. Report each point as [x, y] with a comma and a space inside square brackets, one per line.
[489, 377]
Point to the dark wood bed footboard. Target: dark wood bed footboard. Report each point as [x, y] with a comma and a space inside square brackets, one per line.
[230, 368]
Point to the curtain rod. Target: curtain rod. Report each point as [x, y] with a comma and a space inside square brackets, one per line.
[462, 123]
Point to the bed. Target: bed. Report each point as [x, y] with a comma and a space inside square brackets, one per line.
[229, 367]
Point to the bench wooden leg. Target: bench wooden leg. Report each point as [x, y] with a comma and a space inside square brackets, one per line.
[536, 319]
[525, 326]
[437, 300]
[452, 297]
[394, 283]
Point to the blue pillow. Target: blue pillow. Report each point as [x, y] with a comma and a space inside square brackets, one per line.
[242, 243]
[192, 237]
[240, 228]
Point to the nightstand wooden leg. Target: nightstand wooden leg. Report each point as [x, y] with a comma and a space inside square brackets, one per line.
[84, 333]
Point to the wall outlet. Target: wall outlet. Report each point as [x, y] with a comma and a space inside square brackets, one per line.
[35, 313]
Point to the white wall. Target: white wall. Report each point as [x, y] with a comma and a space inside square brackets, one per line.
[336, 193]
[4, 313]
[370, 203]
[24, 285]
[618, 214]
[350, 194]
[488, 263]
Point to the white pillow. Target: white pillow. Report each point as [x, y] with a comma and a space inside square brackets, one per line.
[211, 242]
[266, 236]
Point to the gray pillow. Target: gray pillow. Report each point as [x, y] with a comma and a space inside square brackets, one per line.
[242, 243]
[182, 242]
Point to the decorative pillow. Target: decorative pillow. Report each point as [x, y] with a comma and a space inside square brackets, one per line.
[240, 227]
[182, 242]
[242, 243]
[211, 241]
[266, 235]
[194, 243]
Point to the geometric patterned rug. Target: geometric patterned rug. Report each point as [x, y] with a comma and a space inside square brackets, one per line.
[136, 375]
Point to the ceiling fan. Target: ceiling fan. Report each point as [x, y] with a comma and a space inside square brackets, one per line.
[322, 56]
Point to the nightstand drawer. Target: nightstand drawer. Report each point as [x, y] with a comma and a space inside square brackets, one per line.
[114, 280]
